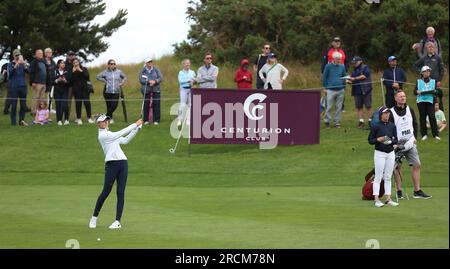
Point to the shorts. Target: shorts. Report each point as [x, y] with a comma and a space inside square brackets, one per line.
[412, 156]
[363, 100]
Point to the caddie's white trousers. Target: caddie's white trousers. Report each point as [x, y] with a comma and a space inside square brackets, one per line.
[384, 166]
[185, 103]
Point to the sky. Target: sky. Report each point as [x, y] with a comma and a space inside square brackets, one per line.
[151, 29]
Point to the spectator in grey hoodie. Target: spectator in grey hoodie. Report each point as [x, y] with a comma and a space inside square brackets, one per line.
[114, 79]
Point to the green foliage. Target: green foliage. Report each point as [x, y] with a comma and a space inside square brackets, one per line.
[301, 30]
[57, 24]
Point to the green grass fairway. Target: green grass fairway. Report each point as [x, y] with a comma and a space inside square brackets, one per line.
[220, 196]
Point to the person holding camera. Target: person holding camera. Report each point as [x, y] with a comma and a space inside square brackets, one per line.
[61, 92]
[18, 87]
[80, 79]
[114, 79]
[361, 89]
[383, 135]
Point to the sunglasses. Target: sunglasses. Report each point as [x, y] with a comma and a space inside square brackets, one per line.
[112, 64]
[267, 48]
[208, 58]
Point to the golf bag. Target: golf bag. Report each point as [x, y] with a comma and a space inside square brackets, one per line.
[367, 189]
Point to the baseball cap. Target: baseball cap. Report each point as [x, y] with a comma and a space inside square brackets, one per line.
[101, 118]
[16, 52]
[425, 68]
[148, 60]
[272, 55]
[356, 59]
[337, 39]
[392, 58]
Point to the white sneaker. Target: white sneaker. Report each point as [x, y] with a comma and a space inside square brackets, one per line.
[156, 123]
[179, 123]
[115, 225]
[53, 111]
[60, 123]
[93, 222]
[66, 122]
[80, 122]
[437, 138]
[146, 123]
[392, 203]
[111, 121]
[424, 138]
[90, 120]
[379, 203]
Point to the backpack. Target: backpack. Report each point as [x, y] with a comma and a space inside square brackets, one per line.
[375, 118]
[367, 189]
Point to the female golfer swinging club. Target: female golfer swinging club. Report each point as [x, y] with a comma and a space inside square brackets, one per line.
[116, 165]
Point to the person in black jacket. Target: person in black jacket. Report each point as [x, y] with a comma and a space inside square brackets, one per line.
[38, 80]
[51, 67]
[5, 85]
[79, 79]
[61, 82]
[383, 135]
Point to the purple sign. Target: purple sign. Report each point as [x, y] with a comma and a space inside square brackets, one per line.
[265, 117]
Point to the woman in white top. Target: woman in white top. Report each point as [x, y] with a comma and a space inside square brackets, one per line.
[270, 73]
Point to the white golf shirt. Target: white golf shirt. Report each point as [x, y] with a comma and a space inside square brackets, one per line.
[111, 141]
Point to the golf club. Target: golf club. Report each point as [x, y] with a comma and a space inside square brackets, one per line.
[174, 149]
[398, 162]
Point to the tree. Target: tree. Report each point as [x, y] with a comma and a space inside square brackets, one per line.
[302, 30]
[59, 24]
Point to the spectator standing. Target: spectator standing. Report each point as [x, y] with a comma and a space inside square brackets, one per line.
[151, 79]
[383, 135]
[243, 77]
[61, 85]
[420, 47]
[38, 79]
[393, 79]
[4, 87]
[71, 56]
[425, 90]
[186, 78]
[336, 46]
[334, 85]
[260, 61]
[114, 79]
[80, 78]
[436, 64]
[404, 118]
[51, 67]
[270, 73]
[207, 73]
[18, 87]
[361, 89]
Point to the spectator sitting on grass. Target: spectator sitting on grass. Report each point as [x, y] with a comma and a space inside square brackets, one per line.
[440, 118]
[41, 114]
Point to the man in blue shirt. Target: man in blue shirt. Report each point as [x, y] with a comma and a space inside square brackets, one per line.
[361, 89]
[18, 87]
